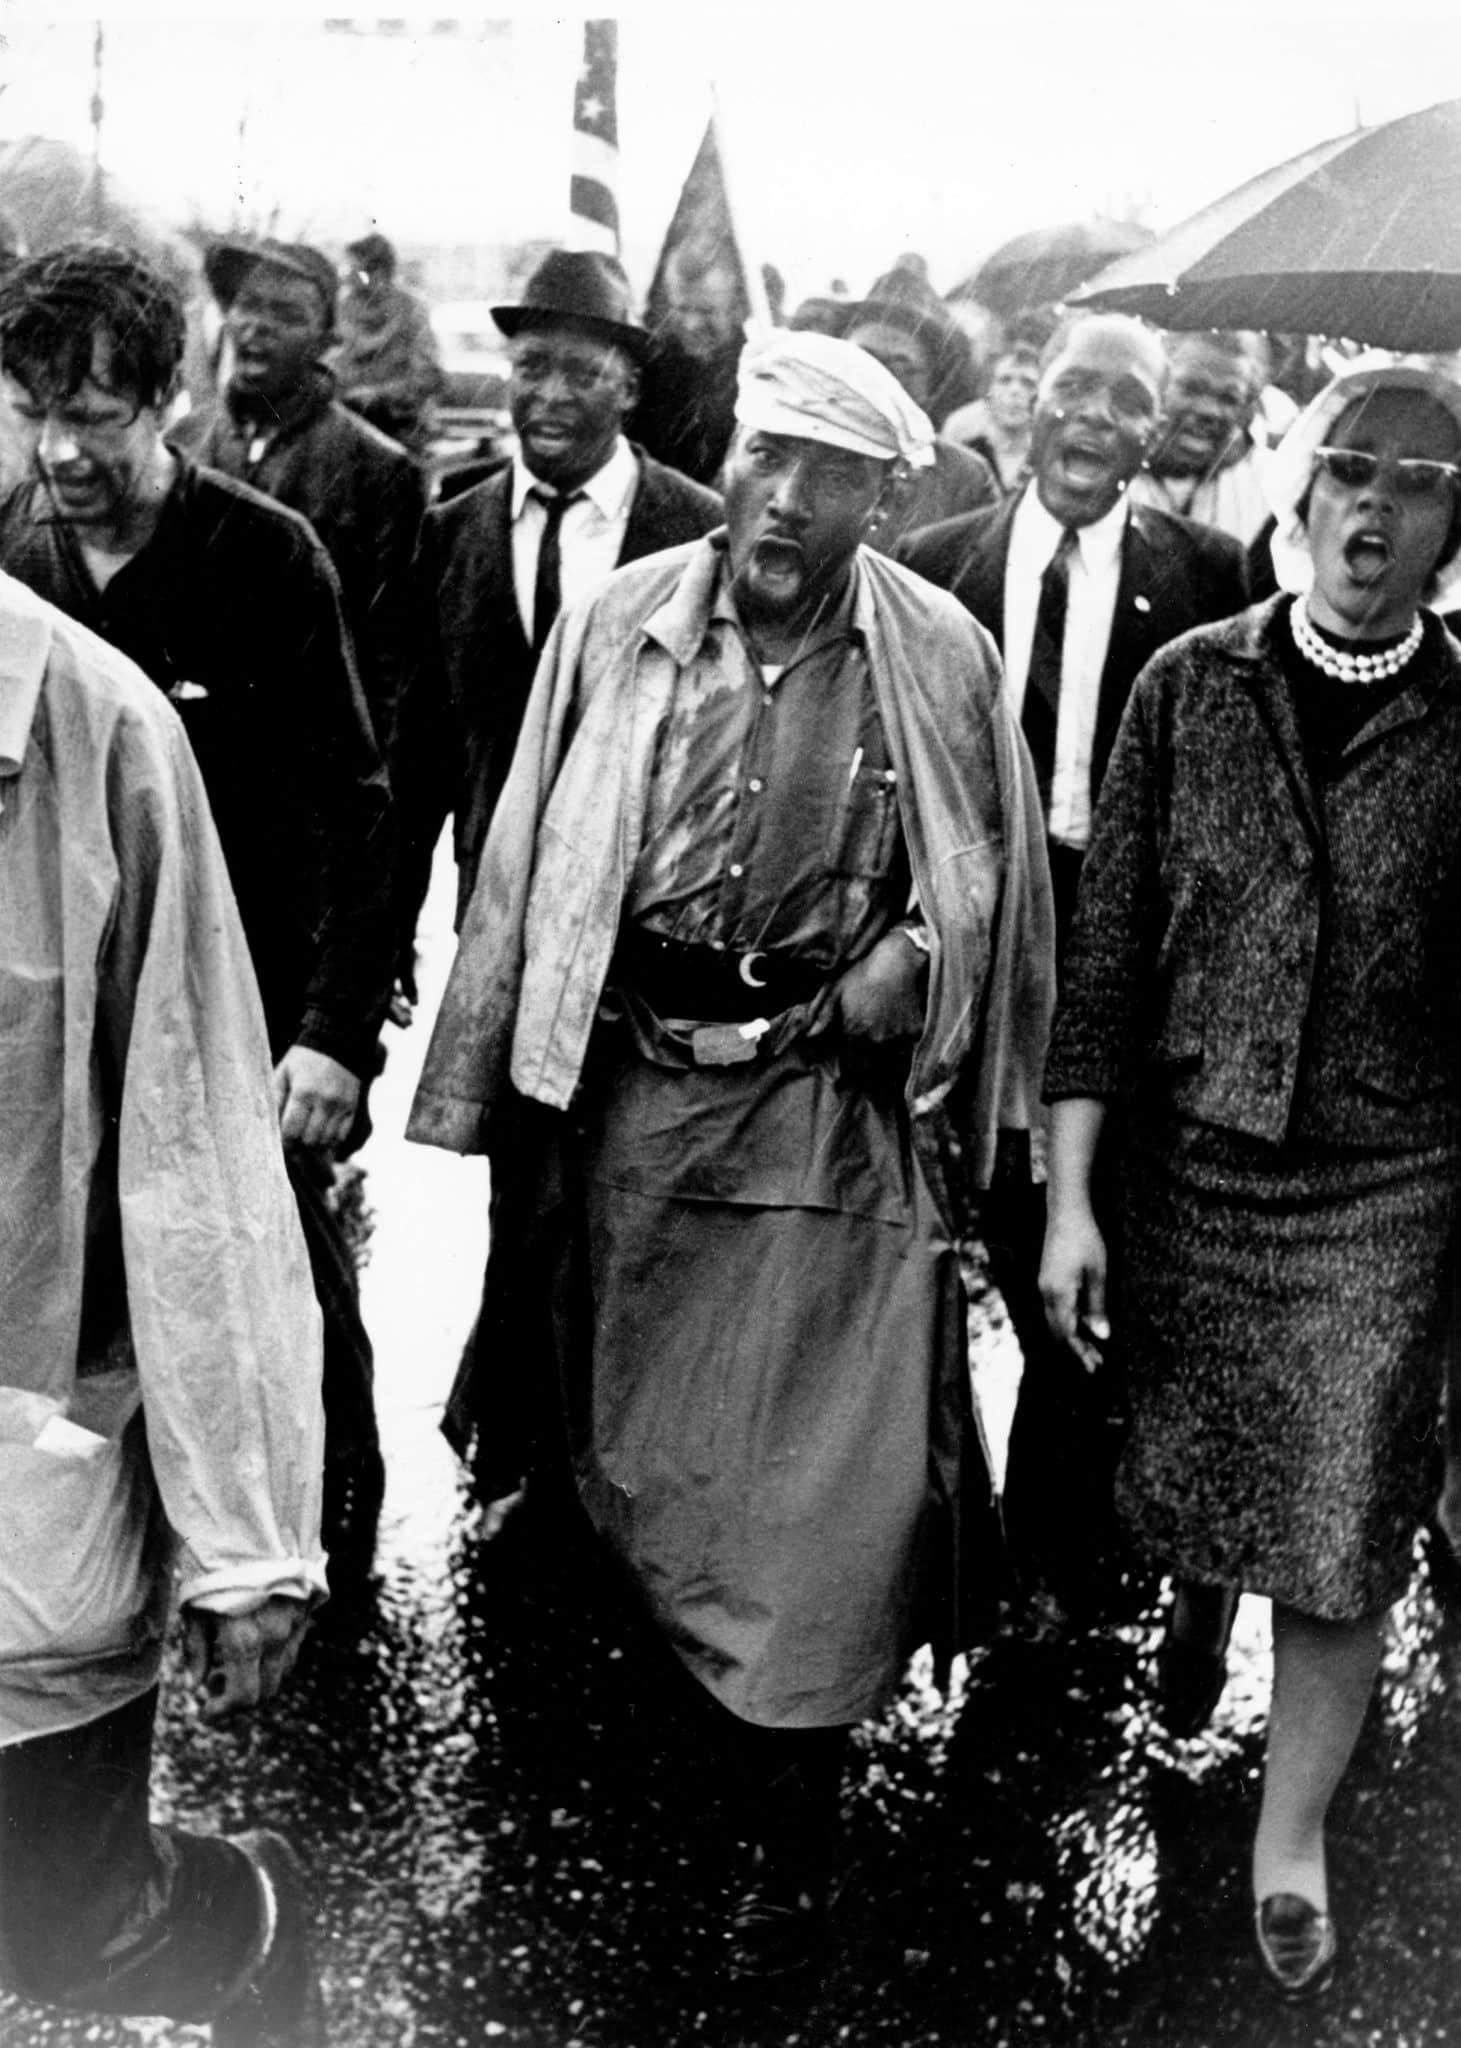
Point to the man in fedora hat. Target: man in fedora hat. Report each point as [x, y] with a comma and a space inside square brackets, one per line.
[280, 427]
[493, 566]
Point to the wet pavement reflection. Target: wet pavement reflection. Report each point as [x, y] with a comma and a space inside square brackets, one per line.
[495, 1769]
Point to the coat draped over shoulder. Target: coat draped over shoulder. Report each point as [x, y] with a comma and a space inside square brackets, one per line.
[542, 923]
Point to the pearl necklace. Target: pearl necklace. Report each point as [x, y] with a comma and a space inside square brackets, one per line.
[1351, 668]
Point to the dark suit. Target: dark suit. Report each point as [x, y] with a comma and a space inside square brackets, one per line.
[465, 699]
[1068, 1427]
[457, 732]
[1174, 575]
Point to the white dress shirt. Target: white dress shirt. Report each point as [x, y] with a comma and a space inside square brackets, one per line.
[590, 539]
[1095, 571]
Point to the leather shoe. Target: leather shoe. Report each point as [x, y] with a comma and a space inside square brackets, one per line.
[1190, 1682]
[1297, 1945]
[774, 1932]
[282, 2006]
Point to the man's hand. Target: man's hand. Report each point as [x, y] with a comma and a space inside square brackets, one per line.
[881, 998]
[1073, 1282]
[241, 1660]
[316, 1098]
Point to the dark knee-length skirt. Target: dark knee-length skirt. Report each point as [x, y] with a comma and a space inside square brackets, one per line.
[1284, 1314]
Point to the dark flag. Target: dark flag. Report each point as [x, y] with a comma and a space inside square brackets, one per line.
[704, 292]
[702, 259]
[593, 192]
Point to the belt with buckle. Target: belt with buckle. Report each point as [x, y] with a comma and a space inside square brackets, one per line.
[713, 983]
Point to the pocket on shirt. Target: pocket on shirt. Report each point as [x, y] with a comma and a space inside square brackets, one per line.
[864, 832]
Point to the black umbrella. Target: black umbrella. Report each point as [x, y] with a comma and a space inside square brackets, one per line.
[1358, 237]
[1045, 265]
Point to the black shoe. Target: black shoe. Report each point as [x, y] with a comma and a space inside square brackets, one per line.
[1192, 1666]
[1190, 1682]
[776, 1930]
[283, 2006]
[1297, 1945]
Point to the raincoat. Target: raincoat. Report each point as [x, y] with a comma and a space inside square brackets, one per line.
[159, 1338]
[540, 929]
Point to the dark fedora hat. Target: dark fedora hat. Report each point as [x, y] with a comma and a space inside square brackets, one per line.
[578, 288]
[229, 262]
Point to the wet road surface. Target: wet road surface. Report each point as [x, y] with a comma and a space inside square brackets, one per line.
[494, 1769]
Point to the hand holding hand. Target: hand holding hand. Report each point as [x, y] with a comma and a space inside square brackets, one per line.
[316, 1098]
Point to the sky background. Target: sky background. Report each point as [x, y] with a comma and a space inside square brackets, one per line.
[853, 132]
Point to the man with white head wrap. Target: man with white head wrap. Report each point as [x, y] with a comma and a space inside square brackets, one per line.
[765, 907]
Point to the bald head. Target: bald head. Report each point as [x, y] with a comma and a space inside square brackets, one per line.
[1096, 409]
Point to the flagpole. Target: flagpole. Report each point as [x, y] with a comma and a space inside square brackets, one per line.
[755, 283]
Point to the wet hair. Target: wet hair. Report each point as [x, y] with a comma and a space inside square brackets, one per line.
[55, 307]
[373, 252]
[1123, 326]
[1243, 346]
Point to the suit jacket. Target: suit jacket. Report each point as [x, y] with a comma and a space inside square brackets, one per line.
[467, 693]
[1174, 575]
[364, 497]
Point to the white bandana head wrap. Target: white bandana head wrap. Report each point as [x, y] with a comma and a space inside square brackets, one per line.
[816, 388]
[1291, 470]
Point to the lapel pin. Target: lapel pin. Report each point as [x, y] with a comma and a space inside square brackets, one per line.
[1143, 604]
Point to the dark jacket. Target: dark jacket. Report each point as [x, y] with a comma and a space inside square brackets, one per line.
[1174, 575]
[470, 686]
[957, 481]
[364, 497]
[1255, 951]
[232, 608]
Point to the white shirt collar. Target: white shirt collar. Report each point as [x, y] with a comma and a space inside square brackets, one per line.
[607, 490]
[1099, 543]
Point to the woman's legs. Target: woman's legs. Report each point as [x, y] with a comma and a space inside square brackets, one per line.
[1323, 1675]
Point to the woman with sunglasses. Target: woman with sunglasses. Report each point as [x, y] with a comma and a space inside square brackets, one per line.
[1259, 1025]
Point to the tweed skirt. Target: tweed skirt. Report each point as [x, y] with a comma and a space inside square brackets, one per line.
[1284, 1314]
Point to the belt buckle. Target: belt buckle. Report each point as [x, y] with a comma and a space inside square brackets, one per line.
[727, 1045]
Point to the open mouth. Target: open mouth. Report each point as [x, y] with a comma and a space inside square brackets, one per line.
[779, 562]
[1367, 556]
[1084, 464]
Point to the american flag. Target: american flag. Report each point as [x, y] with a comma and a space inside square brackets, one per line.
[593, 201]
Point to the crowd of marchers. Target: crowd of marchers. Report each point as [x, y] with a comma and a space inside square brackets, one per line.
[1040, 831]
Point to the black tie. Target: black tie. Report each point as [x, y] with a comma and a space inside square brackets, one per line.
[1041, 712]
[547, 585]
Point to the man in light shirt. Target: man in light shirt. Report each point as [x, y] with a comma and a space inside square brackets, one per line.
[1080, 587]
[160, 1415]
[493, 567]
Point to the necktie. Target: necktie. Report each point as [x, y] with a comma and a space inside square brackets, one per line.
[547, 585]
[1040, 713]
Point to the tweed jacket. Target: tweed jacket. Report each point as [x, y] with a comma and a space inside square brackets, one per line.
[541, 927]
[1258, 951]
[465, 698]
[1174, 575]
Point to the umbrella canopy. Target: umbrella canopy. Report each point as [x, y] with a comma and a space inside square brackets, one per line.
[1045, 265]
[1358, 237]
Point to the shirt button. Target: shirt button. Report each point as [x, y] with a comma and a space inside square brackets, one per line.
[755, 785]
[736, 870]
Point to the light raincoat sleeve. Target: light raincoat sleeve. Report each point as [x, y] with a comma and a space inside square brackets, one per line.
[224, 1323]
